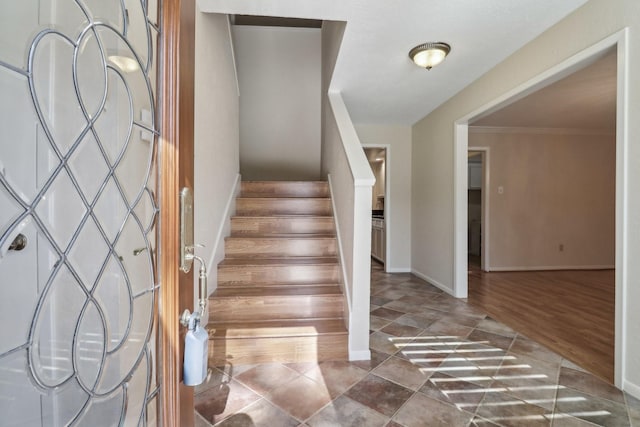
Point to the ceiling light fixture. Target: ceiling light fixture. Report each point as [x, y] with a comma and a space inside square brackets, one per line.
[428, 55]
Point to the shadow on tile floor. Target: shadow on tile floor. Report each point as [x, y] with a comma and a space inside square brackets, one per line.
[435, 361]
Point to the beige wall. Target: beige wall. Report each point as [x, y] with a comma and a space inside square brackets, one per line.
[433, 152]
[398, 206]
[558, 189]
[279, 70]
[216, 142]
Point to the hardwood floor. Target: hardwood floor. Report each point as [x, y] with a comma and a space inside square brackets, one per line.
[571, 312]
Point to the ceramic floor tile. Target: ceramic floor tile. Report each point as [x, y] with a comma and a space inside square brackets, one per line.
[379, 394]
[402, 372]
[449, 329]
[416, 320]
[301, 398]
[564, 420]
[494, 327]
[545, 370]
[376, 359]
[386, 313]
[345, 412]
[590, 384]
[218, 403]
[336, 376]
[460, 319]
[466, 370]
[422, 411]
[506, 410]
[214, 378]
[569, 364]
[481, 422]
[376, 323]
[233, 370]
[383, 343]
[531, 380]
[633, 406]
[259, 414]
[429, 350]
[404, 307]
[490, 339]
[379, 301]
[301, 367]
[389, 292]
[264, 378]
[462, 394]
[589, 408]
[199, 421]
[526, 347]
[400, 330]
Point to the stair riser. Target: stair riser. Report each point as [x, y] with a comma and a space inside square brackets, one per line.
[282, 189]
[266, 207]
[265, 247]
[243, 351]
[266, 275]
[275, 308]
[288, 225]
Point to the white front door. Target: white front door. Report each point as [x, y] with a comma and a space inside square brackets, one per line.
[78, 282]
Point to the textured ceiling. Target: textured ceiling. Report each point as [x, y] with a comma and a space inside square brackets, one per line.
[379, 82]
[584, 100]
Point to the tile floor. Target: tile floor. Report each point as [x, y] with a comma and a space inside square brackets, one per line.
[435, 361]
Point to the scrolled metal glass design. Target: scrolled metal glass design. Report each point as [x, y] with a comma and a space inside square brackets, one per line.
[78, 213]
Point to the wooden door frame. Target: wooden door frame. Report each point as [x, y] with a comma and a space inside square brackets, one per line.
[176, 112]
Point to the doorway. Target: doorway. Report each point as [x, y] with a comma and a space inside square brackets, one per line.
[378, 160]
[616, 43]
[478, 208]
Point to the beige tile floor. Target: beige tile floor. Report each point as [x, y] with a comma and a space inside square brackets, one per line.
[435, 361]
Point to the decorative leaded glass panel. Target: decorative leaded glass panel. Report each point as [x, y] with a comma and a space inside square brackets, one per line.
[78, 273]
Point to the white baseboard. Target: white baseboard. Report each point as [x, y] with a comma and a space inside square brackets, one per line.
[553, 267]
[631, 388]
[432, 282]
[359, 355]
[398, 270]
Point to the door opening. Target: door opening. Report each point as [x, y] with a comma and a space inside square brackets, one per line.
[617, 44]
[377, 157]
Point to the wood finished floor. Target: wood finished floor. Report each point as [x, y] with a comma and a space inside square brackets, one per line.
[571, 312]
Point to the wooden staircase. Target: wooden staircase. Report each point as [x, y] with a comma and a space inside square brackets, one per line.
[278, 297]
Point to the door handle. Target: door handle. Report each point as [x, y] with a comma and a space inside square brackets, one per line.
[187, 254]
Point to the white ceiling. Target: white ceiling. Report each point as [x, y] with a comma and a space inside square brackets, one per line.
[585, 99]
[378, 81]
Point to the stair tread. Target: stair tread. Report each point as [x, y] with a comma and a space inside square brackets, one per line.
[283, 236]
[262, 181]
[279, 261]
[281, 216]
[277, 291]
[278, 328]
[224, 285]
[280, 197]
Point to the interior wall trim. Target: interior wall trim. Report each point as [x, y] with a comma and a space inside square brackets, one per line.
[541, 131]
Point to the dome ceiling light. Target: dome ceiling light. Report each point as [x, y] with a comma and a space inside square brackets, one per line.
[428, 55]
